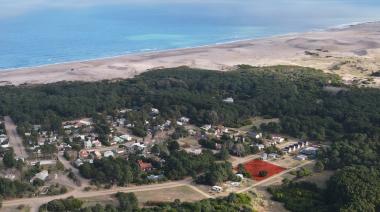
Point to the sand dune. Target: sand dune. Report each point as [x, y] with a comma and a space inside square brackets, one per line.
[352, 52]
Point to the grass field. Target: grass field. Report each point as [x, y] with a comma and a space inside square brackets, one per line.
[183, 193]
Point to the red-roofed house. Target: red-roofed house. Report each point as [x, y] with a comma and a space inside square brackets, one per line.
[144, 166]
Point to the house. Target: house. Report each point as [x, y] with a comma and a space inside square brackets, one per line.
[155, 177]
[96, 143]
[206, 127]
[41, 175]
[278, 139]
[167, 123]
[117, 139]
[311, 151]
[184, 120]
[10, 176]
[154, 111]
[83, 154]
[36, 127]
[120, 122]
[144, 166]
[97, 154]
[4, 141]
[301, 157]
[135, 146]
[87, 144]
[260, 146]
[264, 156]
[256, 135]
[272, 156]
[108, 153]
[78, 162]
[3, 138]
[240, 176]
[228, 100]
[5, 144]
[217, 188]
[179, 123]
[126, 137]
[193, 151]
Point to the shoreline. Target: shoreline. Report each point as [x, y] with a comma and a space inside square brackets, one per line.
[360, 41]
[148, 51]
[143, 52]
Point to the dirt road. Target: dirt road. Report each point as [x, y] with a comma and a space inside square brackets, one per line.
[67, 165]
[15, 140]
[34, 203]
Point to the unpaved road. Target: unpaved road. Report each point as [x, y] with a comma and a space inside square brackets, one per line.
[34, 203]
[67, 165]
[15, 140]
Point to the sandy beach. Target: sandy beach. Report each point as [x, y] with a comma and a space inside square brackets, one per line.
[352, 52]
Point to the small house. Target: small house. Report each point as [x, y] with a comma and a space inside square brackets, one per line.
[228, 100]
[206, 127]
[272, 156]
[87, 144]
[78, 162]
[260, 146]
[154, 111]
[108, 153]
[301, 157]
[217, 188]
[83, 154]
[43, 175]
[96, 143]
[264, 156]
[184, 120]
[240, 176]
[278, 139]
[144, 166]
[126, 137]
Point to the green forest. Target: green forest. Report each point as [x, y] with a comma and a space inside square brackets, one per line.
[349, 118]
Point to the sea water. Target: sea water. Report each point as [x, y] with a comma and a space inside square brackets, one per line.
[39, 32]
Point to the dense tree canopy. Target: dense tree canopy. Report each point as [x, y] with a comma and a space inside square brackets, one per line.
[349, 118]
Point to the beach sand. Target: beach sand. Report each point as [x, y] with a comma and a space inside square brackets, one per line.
[352, 52]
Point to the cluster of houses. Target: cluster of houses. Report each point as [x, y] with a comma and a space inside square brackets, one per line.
[295, 147]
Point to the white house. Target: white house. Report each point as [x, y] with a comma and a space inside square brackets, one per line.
[228, 100]
[108, 153]
[272, 156]
[155, 111]
[256, 135]
[126, 137]
[184, 119]
[206, 127]
[87, 144]
[217, 188]
[278, 139]
[41, 175]
[240, 176]
[194, 151]
[260, 146]
[264, 156]
[301, 157]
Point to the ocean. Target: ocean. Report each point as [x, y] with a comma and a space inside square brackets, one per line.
[40, 32]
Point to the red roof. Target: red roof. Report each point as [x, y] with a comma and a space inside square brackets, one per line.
[144, 166]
